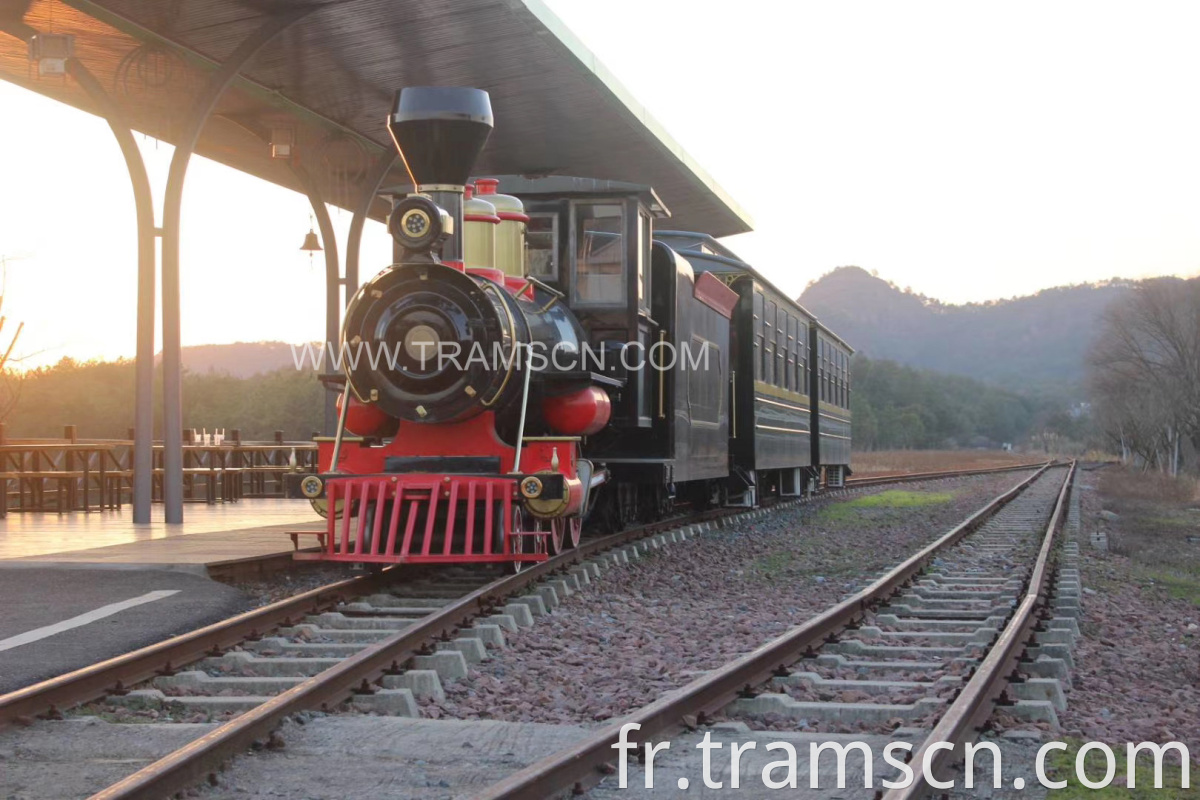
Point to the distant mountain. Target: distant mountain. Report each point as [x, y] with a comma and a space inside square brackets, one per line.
[241, 360]
[1027, 344]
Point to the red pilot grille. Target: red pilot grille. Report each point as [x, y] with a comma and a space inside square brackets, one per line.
[425, 519]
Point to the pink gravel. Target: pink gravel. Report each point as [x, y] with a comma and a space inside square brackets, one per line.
[655, 625]
[289, 583]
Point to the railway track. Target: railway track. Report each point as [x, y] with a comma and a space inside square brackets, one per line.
[379, 646]
[909, 477]
[973, 611]
[365, 640]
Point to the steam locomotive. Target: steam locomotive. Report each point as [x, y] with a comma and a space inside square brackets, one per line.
[544, 356]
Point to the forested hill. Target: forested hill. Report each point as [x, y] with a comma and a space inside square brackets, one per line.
[1027, 343]
[241, 360]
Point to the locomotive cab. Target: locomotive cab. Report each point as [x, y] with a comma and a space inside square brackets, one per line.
[591, 240]
[644, 312]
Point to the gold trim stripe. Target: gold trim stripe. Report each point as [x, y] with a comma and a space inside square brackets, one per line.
[782, 394]
[782, 430]
[805, 409]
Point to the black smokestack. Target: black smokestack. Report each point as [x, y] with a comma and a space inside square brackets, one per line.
[440, 131]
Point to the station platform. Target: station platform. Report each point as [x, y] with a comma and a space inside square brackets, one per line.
[212, 539]
[80, 587]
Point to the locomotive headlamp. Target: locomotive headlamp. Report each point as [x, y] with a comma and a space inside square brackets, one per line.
[551, 497]
[531, 487]
[311, 487]
[419, 225]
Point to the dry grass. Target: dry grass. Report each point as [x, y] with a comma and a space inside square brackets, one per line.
[1158, 525]
[894, 462]
[1131, 484]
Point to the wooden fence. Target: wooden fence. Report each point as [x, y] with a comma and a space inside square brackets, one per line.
[78, 474]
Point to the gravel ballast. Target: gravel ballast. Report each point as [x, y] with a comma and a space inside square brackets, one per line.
[657, 624]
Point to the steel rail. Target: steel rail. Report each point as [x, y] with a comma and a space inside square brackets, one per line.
[966, 715]
[199, 759]
[578, 765]
[905, 477]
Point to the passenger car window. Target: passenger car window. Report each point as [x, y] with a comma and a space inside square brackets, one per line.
[768, 354]
[845, 375]
[826, 385]
[758, 335]
[599, 254]
[643, 266]
[842, 379]
[781, 348]
[842, 358]
[801, 360]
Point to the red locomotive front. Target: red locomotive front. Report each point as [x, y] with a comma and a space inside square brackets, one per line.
[466, 390]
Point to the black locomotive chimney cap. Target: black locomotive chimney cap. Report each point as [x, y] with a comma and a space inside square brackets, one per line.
[440, 131]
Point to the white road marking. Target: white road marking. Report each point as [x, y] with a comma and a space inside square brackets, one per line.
[83, 619]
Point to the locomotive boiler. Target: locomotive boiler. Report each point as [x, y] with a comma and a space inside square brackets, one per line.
[543, 355]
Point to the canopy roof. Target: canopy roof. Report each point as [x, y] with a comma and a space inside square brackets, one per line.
[329, 79]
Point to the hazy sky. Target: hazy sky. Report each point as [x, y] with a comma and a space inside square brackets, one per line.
[968, 150]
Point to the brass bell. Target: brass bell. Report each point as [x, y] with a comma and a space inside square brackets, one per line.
[311, 242]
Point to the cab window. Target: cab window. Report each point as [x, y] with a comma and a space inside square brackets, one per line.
[599, 254]
[541, 247]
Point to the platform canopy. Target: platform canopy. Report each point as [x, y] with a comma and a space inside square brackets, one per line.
[327, 80]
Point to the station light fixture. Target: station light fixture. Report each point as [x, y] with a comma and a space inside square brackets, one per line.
[283, 142]
[51, 51]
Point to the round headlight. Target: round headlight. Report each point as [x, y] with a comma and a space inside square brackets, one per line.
[415, 223]
[531, 487]
[418, 224]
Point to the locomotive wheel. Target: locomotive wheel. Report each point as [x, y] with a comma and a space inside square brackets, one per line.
[516, 543]
[557, 528]
[574, 526]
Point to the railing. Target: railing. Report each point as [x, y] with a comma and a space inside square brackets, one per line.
[78, 474]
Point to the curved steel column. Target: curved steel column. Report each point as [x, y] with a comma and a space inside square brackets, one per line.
[333, 281]
[143, 413]
[354, 239]
[143, 420]
[172, 204]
